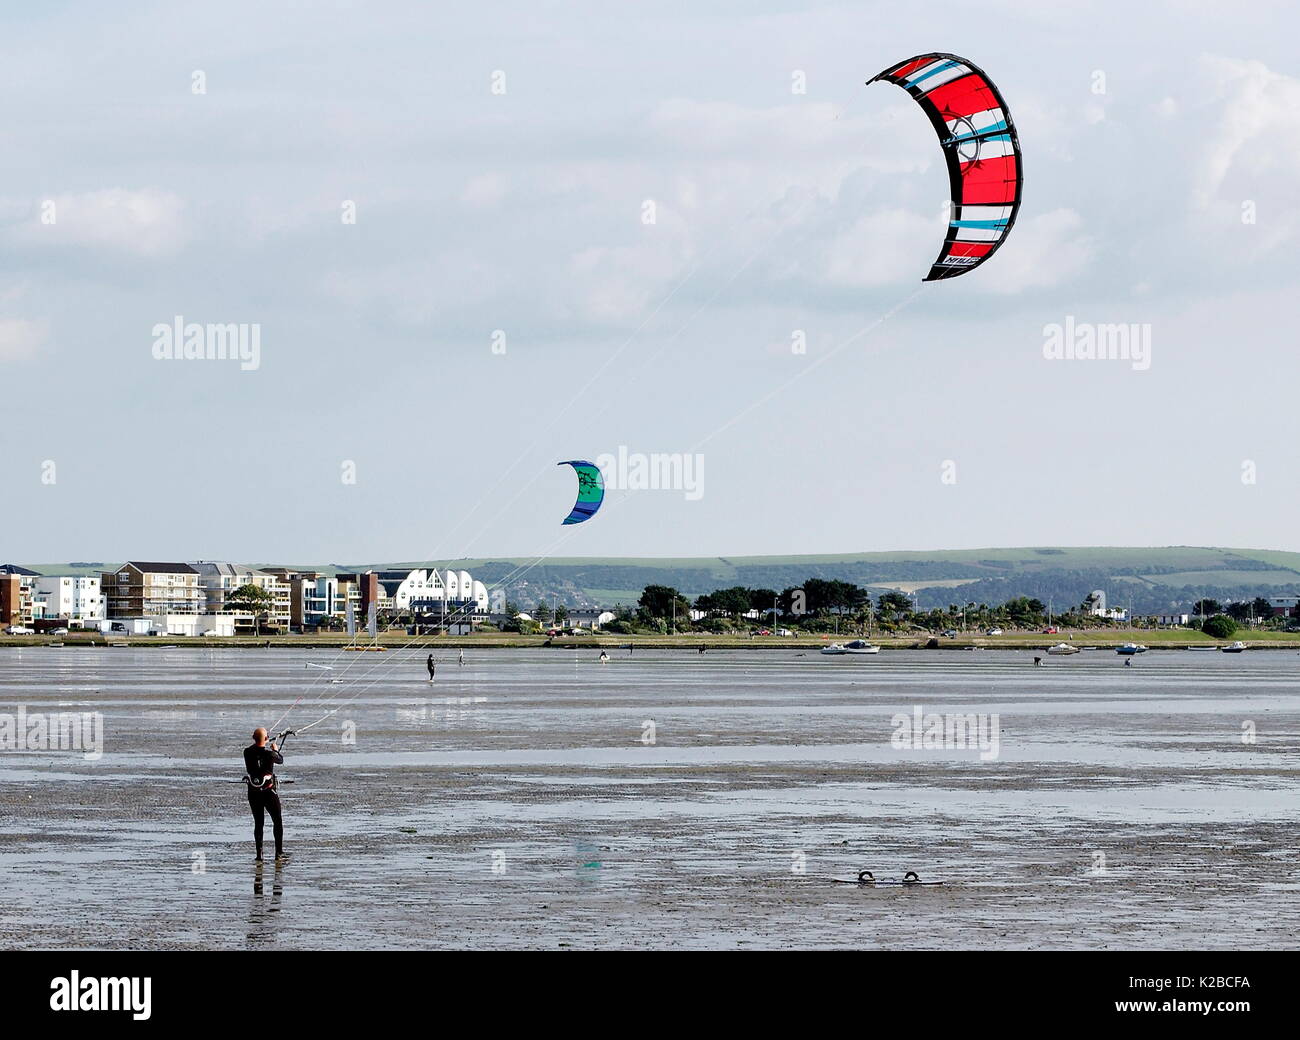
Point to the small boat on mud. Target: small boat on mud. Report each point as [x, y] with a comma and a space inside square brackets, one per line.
[1129, 649]
[1062, 649]
[857, 646]
[1234, 648]
[861, 646]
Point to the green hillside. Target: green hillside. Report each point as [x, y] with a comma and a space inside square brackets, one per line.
[1149, 578]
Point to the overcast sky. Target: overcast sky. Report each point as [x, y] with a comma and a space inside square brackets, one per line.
[500, 157]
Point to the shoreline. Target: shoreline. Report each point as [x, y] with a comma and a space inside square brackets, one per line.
[1160, 639]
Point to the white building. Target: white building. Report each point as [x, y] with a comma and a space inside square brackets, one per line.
[170, 625]
[448, 600]
[423, 589]
[219, 580]
[590, 617]
[71, 598]
[319, 597]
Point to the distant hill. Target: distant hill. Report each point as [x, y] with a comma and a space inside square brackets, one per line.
[1150, 578]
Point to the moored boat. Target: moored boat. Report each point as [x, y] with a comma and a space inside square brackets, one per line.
[861, 646]
[1062, 649]
[1234, 648]
[1129, 649]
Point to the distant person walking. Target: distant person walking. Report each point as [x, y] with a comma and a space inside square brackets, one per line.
[461, 658]
[430, 665]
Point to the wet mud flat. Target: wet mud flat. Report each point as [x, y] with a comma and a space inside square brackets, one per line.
[538, 799]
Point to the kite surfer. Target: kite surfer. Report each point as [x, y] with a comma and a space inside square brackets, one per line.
[260, 761]
[429, 665]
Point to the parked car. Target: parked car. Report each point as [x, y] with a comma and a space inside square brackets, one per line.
[1050, 630]
[951, 633]
[995, 631]
[58, 632]
[18, 630]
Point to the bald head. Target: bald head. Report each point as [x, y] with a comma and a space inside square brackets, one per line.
[259, 736]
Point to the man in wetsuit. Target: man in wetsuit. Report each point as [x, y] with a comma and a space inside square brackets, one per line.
[429, 665]
[261, 760]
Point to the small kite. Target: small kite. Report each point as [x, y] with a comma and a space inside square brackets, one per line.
[982, 150]
[591, 491]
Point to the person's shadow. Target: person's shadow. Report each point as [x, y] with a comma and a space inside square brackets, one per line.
[261, 923]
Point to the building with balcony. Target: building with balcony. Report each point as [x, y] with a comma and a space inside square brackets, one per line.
[17, 594]
[69, 598]
[146, 589]
[219, 581]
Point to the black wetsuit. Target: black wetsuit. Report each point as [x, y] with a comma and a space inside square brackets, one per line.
[261, 762]
[429, 664]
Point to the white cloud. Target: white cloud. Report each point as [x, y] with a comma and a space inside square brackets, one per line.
[21, 339]
[1043, 250]
[146, 222]
[487, 189]
[1258, 129]
[617, 285]
[875, 249]
[720, 126]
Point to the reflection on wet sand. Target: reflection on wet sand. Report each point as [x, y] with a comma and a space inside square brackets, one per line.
[261, 922]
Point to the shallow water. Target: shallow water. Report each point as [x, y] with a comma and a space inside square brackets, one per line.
[516, 802]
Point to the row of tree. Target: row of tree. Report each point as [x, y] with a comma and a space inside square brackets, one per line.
[820, 606]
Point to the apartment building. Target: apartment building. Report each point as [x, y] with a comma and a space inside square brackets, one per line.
[69, 598]
[219, 581]
[17, 594]
[421, 590]
[148, 589]
[317, 597]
